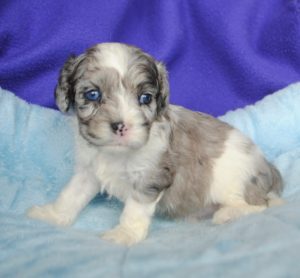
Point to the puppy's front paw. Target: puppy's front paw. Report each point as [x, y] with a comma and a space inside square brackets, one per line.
[48, 214]
[122, 235]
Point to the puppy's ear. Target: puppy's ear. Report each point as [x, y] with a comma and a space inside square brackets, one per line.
[64, 92]
[162, 98]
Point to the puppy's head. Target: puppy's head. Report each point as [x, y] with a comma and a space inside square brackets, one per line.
[117, 91]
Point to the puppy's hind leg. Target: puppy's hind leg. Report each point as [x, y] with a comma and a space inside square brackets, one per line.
[256, 200]
[74, 197]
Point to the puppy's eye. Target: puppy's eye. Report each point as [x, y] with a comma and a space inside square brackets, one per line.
[145, 98]
[93, 95]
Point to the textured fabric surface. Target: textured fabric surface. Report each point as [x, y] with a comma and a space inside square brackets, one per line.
[221, 54]
[36, 160]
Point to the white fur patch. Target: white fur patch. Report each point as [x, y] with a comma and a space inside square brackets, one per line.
[115, 56]
[232, 170]
[117, 171]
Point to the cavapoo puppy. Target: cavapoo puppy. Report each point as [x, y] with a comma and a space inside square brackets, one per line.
[155, 157]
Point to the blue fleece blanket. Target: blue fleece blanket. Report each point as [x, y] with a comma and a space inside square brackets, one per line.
[36, 160]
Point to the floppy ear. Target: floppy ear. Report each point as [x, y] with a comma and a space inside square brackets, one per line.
[64, 92]
[162, 98]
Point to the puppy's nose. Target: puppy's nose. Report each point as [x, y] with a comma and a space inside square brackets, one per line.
[117, 126]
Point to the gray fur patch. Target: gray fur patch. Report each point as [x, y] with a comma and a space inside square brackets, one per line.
[197, 139]
[159, 180]
[268, 179]
[64, 91]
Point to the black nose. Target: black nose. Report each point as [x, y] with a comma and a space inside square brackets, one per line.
[116, 126]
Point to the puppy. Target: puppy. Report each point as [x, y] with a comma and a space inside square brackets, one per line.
[153, 156]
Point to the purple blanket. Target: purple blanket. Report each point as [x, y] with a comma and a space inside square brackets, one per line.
[220, 54]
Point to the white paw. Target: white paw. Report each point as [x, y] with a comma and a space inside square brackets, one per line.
[225, 215]
[122, 235]
[228, 214]
[48, 214]
[275, 202]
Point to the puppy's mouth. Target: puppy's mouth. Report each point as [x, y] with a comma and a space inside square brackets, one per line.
[128, 140]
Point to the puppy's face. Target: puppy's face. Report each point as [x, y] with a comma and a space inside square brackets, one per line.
[117, 92]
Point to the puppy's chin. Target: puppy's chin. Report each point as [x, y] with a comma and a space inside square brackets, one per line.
[121, 148]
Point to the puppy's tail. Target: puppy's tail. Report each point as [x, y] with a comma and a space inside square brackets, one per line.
[273, 197]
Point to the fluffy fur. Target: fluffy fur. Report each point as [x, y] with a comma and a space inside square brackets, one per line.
[155, 156]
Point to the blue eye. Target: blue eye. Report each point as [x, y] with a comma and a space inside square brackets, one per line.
[145, 98]
[93, 95]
